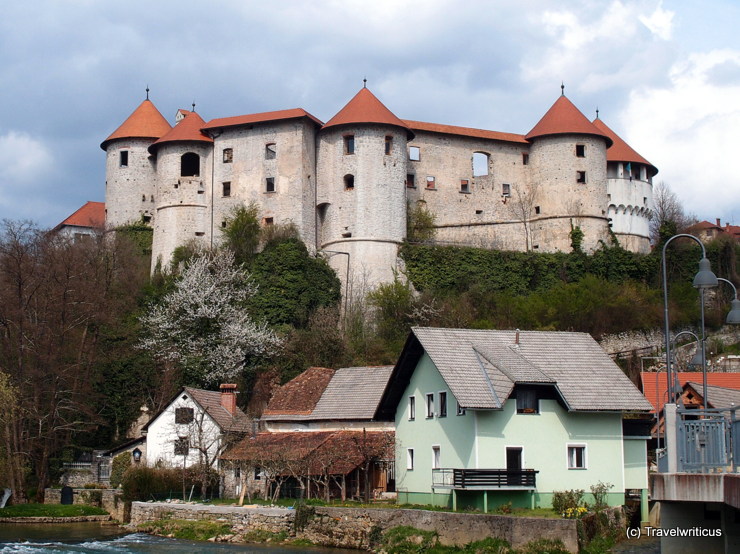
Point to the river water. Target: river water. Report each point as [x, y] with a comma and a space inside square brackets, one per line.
[93, 537]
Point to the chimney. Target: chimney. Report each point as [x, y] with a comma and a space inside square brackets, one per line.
[718, 223]
[516, 338]
[228, 397]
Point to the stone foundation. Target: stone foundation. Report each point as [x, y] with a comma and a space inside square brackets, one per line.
[111, 500]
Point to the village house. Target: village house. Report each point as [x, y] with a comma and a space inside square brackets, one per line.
[488, 417]
[320, 437]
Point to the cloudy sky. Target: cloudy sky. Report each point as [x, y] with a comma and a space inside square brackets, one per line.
[664, 75]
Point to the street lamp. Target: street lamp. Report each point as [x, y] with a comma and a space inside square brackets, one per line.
[704, 279]
[733, 318]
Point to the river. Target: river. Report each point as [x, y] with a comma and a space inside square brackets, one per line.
[94, 537]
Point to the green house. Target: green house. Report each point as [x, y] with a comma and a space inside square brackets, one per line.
[488, 417]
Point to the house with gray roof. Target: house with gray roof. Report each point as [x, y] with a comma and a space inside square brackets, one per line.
[487, 417]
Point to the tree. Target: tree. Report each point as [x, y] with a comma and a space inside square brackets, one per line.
[668, 216]
[202, 327]
[242, 233]
[522, 207]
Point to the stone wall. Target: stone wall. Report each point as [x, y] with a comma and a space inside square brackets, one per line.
[353, 527]
[111, 500]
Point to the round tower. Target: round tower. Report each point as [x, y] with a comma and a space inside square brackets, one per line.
[182, 196]
[130, 171]
[567, 186]
[629, 192]
[361, 199]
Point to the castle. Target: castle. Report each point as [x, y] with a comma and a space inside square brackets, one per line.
[347, 184]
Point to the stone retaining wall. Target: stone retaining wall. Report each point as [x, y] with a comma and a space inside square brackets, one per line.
[111, 500]
[70, 519]
[353, 527]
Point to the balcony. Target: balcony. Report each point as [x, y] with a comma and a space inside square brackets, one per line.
[484, 479]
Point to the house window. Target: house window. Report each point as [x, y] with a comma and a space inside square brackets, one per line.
[506, 190]
[184, 415]
[480, 164]
[412, 408]
[182, 446]
[388, 145]
[430, 182]
[409, 458]
[580, 150]
[190, 165]
[525, 158]
[226, 188]
[414, 153]
[576, 456]
[435, 457]
[228, 155]
[237, 472]
[270, 184]
[464, 185]
[257, 473]
[349, 144]
[442, 412]
[124, 158]
[349, 182]
[430, 404]
[526, 402]
[460, 409]
[580, 176]
[270, 151]
[410, 183]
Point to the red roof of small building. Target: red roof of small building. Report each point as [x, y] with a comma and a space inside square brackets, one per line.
[620, 151]
[733, 230]
[657, 397]
[144, 122]
[188, 130]
[264, 117]
[366, 108]
[301, 394]
[464, 131]
[91, 214]
[706, 225]
[563, 118]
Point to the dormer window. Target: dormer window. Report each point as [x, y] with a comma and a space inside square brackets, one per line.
[526, 402]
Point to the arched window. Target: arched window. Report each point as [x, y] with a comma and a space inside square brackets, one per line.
[480, 164]
[190, 165]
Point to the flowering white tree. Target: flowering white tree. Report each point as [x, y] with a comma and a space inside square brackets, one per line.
[202, 326]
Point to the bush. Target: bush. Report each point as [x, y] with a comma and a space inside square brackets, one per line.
[600, 492]
[120, 464]
[562, 501]
[146, 483]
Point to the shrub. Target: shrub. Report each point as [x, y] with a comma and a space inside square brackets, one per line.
[562, 501]
[119, 466]
[600, 492]
[146, 483]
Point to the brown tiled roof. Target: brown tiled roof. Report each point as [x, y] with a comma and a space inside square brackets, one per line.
[464, 131]
[188, 129]
[649, 379]
[264, 117]
[210, 401]
[91, 214]
[301, 394]
[705, 225]
[719, 397]
[366, 108]
[563, 118]
[620, 151]
[145, 122]
[734, 230]
[337, 452]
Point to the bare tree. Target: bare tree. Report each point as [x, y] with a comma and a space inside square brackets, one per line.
[522, 208]
[668, 217]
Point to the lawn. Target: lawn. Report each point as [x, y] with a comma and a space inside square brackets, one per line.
[51, 510]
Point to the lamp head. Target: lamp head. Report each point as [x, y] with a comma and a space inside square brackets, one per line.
[705, 278]
[697, 360]
[733, 318]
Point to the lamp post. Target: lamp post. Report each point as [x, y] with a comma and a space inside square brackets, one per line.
[704, 279]
[733, 318]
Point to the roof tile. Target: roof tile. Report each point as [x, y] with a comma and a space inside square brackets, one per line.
[187, 129]
[144, 122]
[264, 117]
[563, 118]
[366, 108]
[620, 151]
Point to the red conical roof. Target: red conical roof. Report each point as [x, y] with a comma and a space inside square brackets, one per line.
[563, 118]
[145, 122]
[366, 108]
[620, 151]
[188, 129]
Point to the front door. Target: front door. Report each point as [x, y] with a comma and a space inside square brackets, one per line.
[513, 466]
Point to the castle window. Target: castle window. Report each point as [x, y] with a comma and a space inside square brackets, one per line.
[270, 184]
[152, 198]
[414, 153]
[388, 145]
[506, 190]
[146, 218]
[270, 151]
[228, 155]
[537, 210]
[410, 182]
[580, 176]
[223, 225]
[431, 184]
[124, 158]
[190, 165]
[349, 182]
[580, 150]
[143, 197]
[480, 164]
[268, 221]
[525, 158]
[478, 212]
[226, 188]
[464, 185]
[349, 144]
